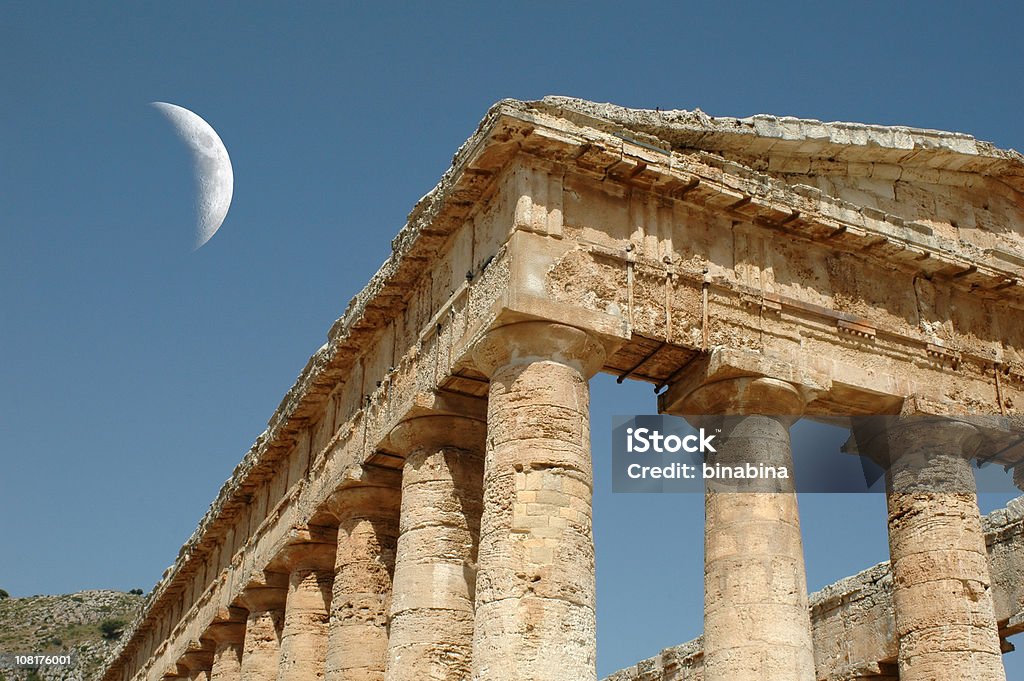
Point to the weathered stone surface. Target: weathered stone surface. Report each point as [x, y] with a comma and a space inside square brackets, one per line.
[945, 620]
[357, 642]
[261, 651]
[756, 622]
[1004, 539]
[307, 611]
[227, 662]
[431, 635]
[227, 634]
[198, 663]
[535, 616]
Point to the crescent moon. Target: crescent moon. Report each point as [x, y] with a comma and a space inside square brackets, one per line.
[215, 180]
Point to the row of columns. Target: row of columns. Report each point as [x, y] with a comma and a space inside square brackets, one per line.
[756, 621]
[481, 565]
[322, 611]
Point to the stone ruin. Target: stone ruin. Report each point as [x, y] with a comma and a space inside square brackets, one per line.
[419, 506]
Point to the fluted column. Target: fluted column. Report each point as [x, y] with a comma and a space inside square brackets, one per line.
[942, 595]
[262, 646]
[357, 644]
[228, 637]
[435, 565]
[535, 611]
[307, 610]
[756, 620]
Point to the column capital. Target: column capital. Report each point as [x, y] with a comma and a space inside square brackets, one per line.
[876, 432]
[174, 672]
[307, 556]
[229, 615]
[921, 454]
[364, 501]
[533, 341]
[438, 431]
[745, 395]
[439, 402]
[226, 632]
[197, 658]
[310, 547]
[747, 378]
[264, 598]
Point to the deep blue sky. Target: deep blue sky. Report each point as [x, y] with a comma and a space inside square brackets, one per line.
[136, 373]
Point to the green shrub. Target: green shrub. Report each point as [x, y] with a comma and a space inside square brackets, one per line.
[112, 628]
[136, 592]
[4, 594]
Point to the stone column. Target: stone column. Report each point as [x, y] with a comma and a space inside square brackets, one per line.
[942, 594]
[435, 566]
[228, 637]
[307, 609]
[535, 617]
[261, 648]
[357, 641]
[756, 619]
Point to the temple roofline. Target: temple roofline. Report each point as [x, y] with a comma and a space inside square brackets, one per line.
[788, 135]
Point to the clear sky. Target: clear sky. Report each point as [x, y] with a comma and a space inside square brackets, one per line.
[135, 372]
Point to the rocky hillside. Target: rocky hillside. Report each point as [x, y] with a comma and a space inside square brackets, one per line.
[87, 623]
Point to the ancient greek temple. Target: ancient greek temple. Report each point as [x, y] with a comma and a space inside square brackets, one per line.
[420, 504]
